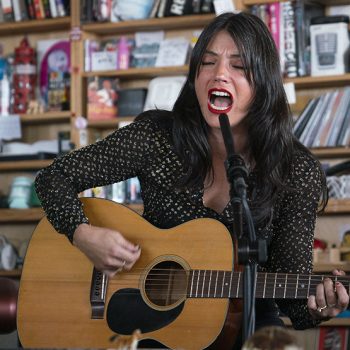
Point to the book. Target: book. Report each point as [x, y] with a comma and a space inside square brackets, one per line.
[290, 53]
[178, 8]
[338, 119]
[7, 10]
[20, 10]
[53, 8]
[327, 120]
[304, 137]
[304, 117]
[154, 9]
[102, 94]
[333, 338]
[161, 8]
[317, 121]
[343, 137]
[38, 9]
[30, 9]
[300, 36]
[274, 24]
[53, 55]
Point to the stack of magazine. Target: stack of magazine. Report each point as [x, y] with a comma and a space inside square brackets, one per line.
[325, 120]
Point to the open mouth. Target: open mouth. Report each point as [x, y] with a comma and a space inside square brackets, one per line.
[219, 101]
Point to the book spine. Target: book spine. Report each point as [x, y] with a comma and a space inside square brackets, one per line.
[300, 36]
[30, 9]
[290, 53]
[46, 6]
[16, 10]
[161, 8]
[60, 8]
[7, 10]
[274, 24]
[37, 9]
[53, 8]
[338, 119]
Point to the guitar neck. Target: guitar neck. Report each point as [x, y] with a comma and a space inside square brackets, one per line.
[227, 284]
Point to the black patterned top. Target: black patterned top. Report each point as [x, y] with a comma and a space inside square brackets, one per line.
[145, 149]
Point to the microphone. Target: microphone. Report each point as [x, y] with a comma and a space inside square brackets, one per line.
[235, 166]
[227, 134]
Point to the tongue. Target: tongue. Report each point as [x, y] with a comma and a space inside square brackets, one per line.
[222, 101]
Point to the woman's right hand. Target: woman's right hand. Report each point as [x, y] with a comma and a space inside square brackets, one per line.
[108, 250]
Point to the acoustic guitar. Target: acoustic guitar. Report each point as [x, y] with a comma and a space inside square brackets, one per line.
[179, 292]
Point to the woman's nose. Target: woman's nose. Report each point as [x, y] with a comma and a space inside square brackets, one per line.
[221, 74]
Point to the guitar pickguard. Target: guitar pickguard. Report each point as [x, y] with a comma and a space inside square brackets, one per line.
[127, 312]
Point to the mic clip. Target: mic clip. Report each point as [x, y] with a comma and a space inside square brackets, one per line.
[237, 174]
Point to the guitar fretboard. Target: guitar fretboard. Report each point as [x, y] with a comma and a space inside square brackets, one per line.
[227, 284]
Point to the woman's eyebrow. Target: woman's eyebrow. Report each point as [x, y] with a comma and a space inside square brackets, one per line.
[212, 53]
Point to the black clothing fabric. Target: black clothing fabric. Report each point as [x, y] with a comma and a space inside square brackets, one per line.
[145, 149]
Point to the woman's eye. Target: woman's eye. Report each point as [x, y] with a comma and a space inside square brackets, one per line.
[237, 66]
[207, 63]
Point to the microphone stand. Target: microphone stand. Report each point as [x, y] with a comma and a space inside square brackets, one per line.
[250, 250]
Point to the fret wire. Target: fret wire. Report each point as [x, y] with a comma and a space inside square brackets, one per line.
[216, 282]
[274, 287]
[296, 287]
[229, 290]
[222, 288]
[192, 283]
[238, 284]
[264, 285]
[203, 283]
[211, 271]
[308, 288]
[285, 286]
[199, 272]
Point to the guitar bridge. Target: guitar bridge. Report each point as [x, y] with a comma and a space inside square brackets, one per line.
[99, 282]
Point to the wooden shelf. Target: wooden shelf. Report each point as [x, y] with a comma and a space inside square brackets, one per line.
[35, 26]
[337, 321]
[46, 118]
[168, 23]
[108, 124]
[20, 215]
[36, 214]
[323, 81]
[25, 165]
[139, 73]
[151, 72]
[324, 2]
[11, 273]
[328, 268]
[338, 206]
[331, 152]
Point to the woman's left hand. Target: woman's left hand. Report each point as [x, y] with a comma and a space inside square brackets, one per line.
[331, 298]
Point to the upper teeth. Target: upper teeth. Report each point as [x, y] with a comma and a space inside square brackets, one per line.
[221, 93]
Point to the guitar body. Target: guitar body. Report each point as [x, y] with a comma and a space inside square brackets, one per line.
[54, 297]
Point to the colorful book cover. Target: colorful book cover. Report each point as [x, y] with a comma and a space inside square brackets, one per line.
[331, 338]
[102, 98]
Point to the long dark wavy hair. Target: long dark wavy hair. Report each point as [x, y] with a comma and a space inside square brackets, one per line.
[268, 122]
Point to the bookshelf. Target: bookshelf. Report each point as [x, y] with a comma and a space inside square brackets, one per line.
[46, 118]
[168, 23]
[35, 26]
[324, 2]
[131, 76]
[24, 165]
[140, 73]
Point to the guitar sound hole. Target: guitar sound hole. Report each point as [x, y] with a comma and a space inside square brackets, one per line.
[166, 283]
